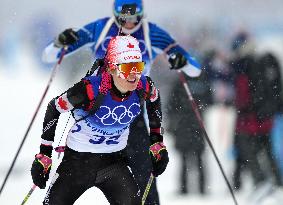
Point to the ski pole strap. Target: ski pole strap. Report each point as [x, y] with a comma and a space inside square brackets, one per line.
[44, 161]
[156, 148]
[60, 149]
[147, 188]
[28, 195]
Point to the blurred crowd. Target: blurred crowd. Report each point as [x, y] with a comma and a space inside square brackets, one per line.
[249, 83]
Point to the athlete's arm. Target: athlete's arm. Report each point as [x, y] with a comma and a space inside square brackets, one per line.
[162, 40]
[157, 149]
[86, 37]
[78, 96]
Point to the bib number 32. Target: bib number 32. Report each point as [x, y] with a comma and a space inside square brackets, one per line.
[108, 140]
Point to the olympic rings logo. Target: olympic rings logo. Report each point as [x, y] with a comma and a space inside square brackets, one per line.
[119, 114]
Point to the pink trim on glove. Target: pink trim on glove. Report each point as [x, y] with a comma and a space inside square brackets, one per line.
[155, 150]
[45, 161]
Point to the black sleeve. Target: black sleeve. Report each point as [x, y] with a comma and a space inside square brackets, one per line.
[74, 98]
[153, 106]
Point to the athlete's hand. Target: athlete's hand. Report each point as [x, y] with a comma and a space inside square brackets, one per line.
[177, 61]
[41, 167]
[67, 37]
[159, 157]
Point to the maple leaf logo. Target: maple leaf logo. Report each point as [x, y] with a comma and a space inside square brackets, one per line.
[62, 103]
[130, 45]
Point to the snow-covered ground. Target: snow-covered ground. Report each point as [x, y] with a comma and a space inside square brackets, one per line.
[21, 90]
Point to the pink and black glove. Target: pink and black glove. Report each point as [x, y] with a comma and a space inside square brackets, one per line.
[159, 154]
[41, 166]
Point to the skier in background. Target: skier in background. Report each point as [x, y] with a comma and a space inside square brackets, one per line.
[96, 143]
[96, 36]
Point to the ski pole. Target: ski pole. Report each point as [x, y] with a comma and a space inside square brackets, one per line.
[34, 115]
[28, 195]
[147, 188]
[196, 111]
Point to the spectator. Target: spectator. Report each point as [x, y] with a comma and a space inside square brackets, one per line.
[220, 76]
[255, 88]
[183, 124]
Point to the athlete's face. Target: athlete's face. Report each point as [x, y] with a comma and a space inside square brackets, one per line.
[129, 25]
[128, 84]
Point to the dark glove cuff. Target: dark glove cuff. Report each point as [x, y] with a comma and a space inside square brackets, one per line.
[155, 137]
[46, 150]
